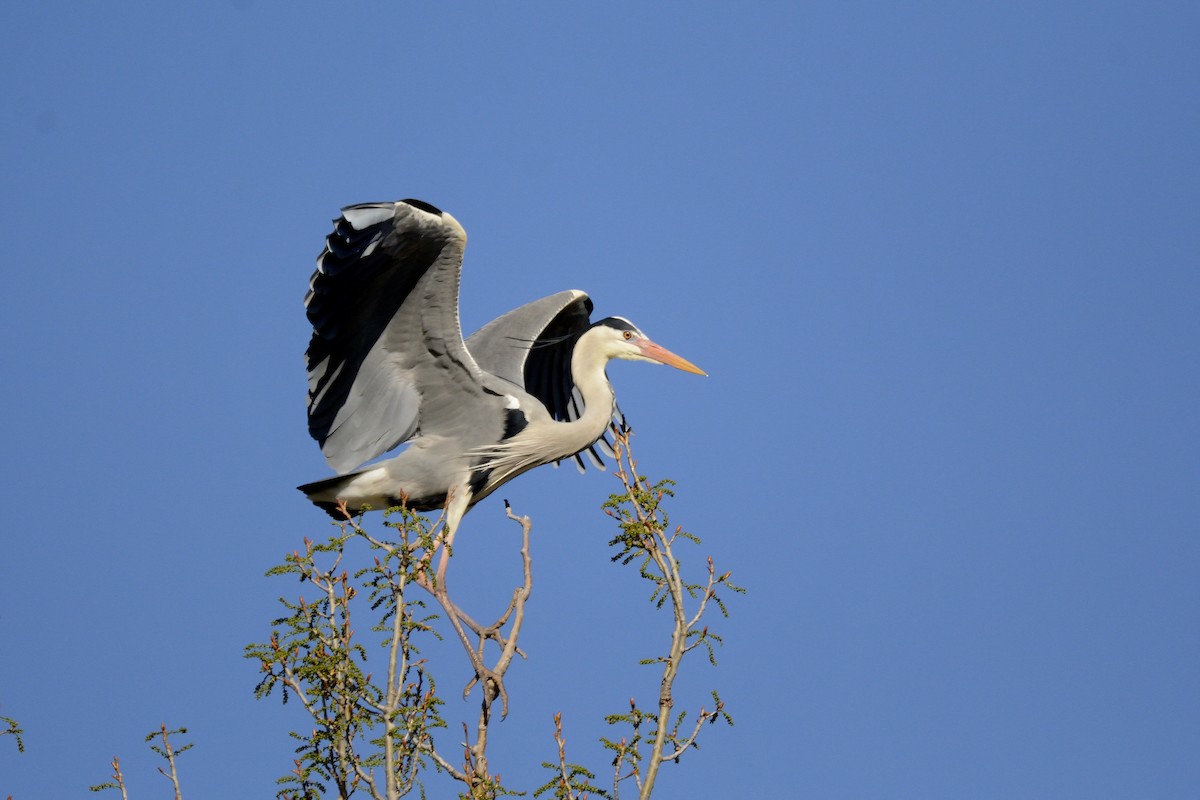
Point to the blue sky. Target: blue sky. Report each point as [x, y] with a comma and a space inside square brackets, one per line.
[939, 259]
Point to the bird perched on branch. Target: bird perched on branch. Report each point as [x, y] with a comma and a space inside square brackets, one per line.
[387, 365]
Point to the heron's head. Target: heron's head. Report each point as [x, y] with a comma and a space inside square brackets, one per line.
[620, 338]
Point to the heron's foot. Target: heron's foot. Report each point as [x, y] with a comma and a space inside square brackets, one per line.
[493, 687]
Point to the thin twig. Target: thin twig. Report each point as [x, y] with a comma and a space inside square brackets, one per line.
[646, 535]
[170, 756]
[563, 775]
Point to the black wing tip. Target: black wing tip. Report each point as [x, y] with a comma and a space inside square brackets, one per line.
[359, 216]
[421, 204]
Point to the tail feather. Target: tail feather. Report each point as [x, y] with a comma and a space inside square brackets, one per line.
[331, 485]
[364, 490]
[324, 493]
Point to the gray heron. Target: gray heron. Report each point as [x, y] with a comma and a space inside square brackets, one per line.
[387, 365]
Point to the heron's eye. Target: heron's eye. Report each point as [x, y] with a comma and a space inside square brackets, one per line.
[628, 335]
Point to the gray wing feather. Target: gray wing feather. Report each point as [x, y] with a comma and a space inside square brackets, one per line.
[502, 346]
[386, 354]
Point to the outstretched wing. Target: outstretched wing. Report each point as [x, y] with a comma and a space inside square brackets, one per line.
[503, 345]
[386, 358]
[531, 346]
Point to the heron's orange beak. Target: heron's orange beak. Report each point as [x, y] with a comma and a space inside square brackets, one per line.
[662, 355]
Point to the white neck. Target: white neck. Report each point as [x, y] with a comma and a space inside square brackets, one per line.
[544, 443]
[587, 370]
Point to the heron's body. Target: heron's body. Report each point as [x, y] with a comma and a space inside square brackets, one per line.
[388, 365]
[432, 465]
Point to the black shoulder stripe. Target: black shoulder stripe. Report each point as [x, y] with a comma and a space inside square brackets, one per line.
[514, 422]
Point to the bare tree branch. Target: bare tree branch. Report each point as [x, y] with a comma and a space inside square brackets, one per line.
[169, 753]
[646, 537]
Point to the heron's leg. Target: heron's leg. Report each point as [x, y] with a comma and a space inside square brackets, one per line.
[460, 500]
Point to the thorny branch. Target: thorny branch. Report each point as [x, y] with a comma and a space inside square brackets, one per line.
[362, 727]
[569, 781]
[168, 751]
[117, 782]
[314, 656]
[646, 536]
